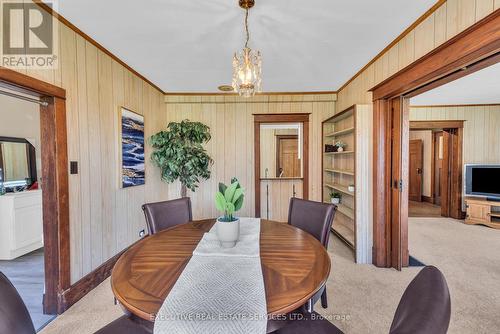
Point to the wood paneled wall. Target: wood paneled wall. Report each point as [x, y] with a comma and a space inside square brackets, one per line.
[451, 18]
[481, 143]
[232, 124]
[104, 219]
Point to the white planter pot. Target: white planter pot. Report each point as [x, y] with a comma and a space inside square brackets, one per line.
[228, 233]
[351, 188]
[335, 200]
[340, 149]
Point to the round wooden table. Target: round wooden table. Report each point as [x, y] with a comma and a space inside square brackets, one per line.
[294, 266]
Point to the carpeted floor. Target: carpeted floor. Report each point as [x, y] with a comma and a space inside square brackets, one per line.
[363, 298]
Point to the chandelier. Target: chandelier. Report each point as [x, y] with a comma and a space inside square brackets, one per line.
[247, 64]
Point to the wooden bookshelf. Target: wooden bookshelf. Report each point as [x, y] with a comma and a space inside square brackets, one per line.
[341, 127]
[340, 169]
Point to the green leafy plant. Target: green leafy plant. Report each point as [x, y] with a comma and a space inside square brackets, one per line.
[340, 143]
[180, 154]
[335, 194]
[229, 199]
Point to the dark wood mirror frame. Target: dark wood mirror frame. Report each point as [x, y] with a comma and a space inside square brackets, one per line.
[30, 154]
[281, 118]
[471, 50]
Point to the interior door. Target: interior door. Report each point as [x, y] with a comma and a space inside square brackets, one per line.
[288, 157]
[400, 167]
[415, 172]
[445, 174]
[438, 165]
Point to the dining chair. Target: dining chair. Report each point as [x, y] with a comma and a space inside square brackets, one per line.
[14, 316]
[162, 215]
[424, 308]
[126, 325]
[316, 218]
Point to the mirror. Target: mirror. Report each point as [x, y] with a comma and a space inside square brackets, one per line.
[280, 150]
[17, 162]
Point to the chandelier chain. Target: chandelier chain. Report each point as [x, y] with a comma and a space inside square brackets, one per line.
[246, 28]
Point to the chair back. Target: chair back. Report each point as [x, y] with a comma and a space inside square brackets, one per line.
[14, 316]
[313, 217]
[425, 306]
[162, 215]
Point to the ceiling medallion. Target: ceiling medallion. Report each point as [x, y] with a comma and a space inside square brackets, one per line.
[247, 64]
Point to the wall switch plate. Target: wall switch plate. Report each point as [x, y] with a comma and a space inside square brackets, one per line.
[142, 233]
[73, 167]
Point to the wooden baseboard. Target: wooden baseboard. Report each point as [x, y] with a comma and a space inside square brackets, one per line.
[87, 283]
[428, 199]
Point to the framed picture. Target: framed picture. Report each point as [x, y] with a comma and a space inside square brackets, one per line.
[132, 149]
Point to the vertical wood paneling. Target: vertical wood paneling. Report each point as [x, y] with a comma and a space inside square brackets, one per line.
[104, 219]
[232, 125]
[451, 18]
[481, 139]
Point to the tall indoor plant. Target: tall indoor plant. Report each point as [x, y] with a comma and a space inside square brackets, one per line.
[180, 154]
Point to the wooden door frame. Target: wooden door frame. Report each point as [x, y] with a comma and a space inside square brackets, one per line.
[455, 164]
[471, 50]
[281, 118]
[55, 193]
[278, 138]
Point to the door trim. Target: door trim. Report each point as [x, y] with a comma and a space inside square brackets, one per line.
[473, 49]
[55, 193]
[281, 118]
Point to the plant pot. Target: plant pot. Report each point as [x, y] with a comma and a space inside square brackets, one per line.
[335, 200]
[340, 149]
[228, 233]
[351, 188]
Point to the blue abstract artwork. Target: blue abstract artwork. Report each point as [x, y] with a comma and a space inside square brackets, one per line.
[132, 144]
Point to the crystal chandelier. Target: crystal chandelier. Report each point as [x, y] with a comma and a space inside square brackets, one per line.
[247, 64]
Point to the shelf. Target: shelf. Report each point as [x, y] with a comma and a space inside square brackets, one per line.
[344, 233]
[335, 153]
[339, 133]
[345, 210]
[342, 189]
[339, 171]
[495, 214]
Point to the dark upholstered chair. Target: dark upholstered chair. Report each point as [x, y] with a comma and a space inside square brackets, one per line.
[316, 218]
[162, 215]
[425, 306]
[311, 323]
[125, 325]
[14, 316]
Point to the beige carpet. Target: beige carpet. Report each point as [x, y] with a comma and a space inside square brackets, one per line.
[363, 298]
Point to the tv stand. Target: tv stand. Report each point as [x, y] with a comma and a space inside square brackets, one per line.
[483, 212]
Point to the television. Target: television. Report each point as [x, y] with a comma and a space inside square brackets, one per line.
[483, 181]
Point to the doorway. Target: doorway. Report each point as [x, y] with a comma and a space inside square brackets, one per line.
[435, 150]
[471, 50]
[54, 179]
[287, 156]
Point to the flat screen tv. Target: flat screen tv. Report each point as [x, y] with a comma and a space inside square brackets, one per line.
[483, 181]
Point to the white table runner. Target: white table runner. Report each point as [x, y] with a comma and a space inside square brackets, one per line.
[220, 290]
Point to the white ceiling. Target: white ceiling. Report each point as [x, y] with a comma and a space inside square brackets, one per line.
[187, 46]
[481, 87]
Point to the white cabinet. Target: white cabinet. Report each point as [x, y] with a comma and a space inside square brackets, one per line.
[21, 227]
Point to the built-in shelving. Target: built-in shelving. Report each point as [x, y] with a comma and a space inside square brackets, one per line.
[339, 153]
[339, 171]
[340, 132]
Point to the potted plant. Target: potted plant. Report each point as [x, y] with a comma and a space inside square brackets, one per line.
[340, 146]
[180, 154]
[335, 197]
[228, 200]
[351, 188]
